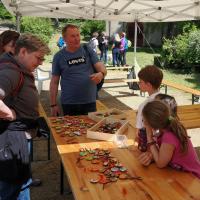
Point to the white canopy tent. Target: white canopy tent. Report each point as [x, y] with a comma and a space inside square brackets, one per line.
[109, 10]
[119, 10]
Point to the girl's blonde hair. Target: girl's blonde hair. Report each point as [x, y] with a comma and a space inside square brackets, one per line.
[157, 115]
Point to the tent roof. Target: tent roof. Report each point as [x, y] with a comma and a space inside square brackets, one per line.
[118, 10]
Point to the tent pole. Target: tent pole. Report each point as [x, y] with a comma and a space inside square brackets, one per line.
[137, 68]
[18, 19]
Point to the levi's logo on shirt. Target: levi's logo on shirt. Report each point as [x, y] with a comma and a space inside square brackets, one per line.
[76, 61]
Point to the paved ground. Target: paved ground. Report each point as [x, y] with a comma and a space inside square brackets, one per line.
[113, 95]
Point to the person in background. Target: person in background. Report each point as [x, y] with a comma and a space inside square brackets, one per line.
[123, 48]
[8, 40]
[93, 43]
[116, 50]
[103, 47]
[173, 146]
[18, 112]
[80, 71]
[61, 42]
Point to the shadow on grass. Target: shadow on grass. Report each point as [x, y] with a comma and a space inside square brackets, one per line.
[145, 50]
[194, 80]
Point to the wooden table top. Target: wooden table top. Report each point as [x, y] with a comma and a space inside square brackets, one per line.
[189, 116]
[156, 184]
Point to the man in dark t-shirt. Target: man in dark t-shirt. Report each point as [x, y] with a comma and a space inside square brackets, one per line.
[75, 69]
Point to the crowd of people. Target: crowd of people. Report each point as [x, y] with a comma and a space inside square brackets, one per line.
[78, 69]
[119, 47]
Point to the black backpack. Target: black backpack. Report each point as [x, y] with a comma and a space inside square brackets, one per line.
[132, 75]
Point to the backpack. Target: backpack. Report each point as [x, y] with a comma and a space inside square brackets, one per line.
[60, 42]
[126, 44]
[99, 85]
[132, 75]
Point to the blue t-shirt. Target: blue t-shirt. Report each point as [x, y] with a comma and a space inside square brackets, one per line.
[75, 70]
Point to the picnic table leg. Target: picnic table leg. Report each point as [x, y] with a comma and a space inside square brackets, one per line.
[48, 147]
[193, 99]
[165, 89]
[61, 177]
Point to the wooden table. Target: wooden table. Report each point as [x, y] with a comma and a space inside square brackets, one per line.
[157, 184]
[189, 116]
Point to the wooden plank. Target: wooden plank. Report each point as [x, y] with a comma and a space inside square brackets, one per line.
[100, 106]
[113, 68]
[181, 87]
[188, 108]
[118, 80]
[157, 183]
[192, 123]
[188, 114]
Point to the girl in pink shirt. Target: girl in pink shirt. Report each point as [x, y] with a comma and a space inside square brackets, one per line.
[173, 146]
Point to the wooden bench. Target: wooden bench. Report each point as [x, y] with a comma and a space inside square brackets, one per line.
[195, 93]
[166, 84]
[113, 68]
[188, 114]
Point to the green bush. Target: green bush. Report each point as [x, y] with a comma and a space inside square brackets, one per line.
[91, 26]
[38, 26]
[183, 51]
[4, 14]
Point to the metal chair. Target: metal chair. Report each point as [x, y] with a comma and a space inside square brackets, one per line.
[40, 77]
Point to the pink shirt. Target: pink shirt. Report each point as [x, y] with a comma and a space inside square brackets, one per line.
[188, 161]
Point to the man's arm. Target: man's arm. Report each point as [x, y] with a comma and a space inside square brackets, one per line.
[53, 95]
[100, 74]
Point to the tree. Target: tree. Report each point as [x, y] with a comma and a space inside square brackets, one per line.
[4, 14]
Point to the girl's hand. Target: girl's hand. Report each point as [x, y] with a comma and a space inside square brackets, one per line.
[145, 158]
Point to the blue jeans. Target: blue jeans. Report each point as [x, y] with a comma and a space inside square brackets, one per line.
[104, 56]
[9, 191]
[115, 54]
[25, 194]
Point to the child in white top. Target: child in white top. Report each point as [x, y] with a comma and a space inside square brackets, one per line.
[150, 79]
